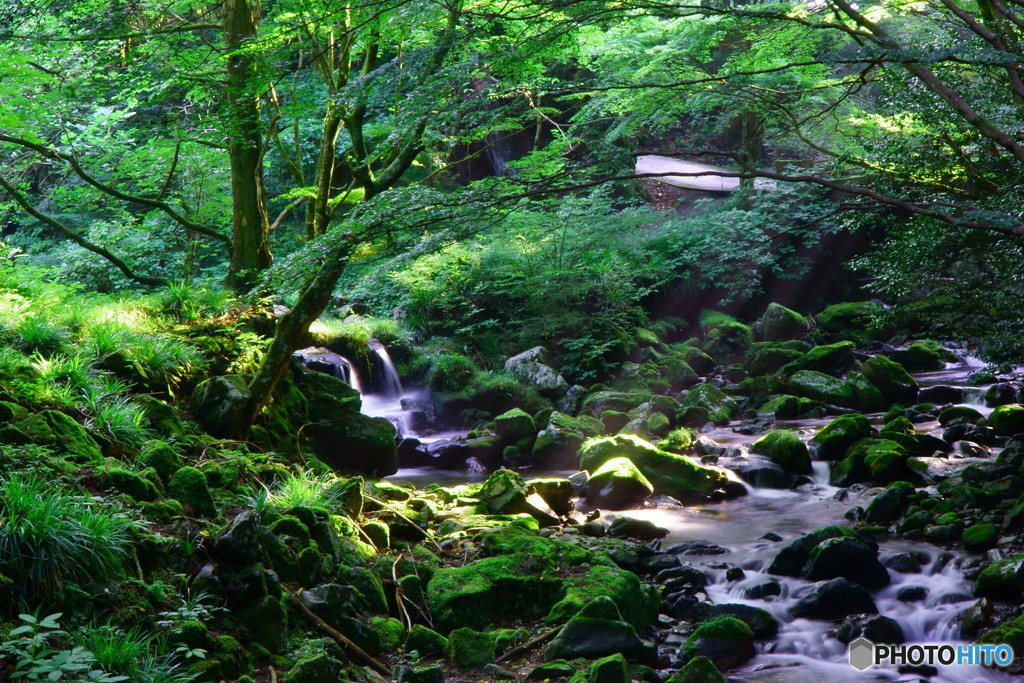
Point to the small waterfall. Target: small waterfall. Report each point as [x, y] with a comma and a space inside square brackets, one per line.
[350, 374]
[385, 370]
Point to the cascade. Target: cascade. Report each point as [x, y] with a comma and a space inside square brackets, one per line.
[385, 371]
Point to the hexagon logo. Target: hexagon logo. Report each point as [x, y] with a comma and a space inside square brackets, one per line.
[862, 654]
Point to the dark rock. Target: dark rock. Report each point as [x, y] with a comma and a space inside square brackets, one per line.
[912, 593]
[764, 590]
[876, 628]
[726, 641]
[757, 470]
[940, 394]
[697, 548]
[888, 505]
[834, 599]
[847, 557]
[597, 631]
[643, 529]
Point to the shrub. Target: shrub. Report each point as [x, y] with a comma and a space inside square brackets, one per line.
[450, 372]
[49, 537]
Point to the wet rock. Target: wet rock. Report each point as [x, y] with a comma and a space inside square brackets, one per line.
[762, 624]
[830, 359]
[697, 548]
[700, 669]
[892, 379]
[533, 367]
[846, 557]
[888, 505]
[643, 529]
[976, 617]
[558, 442]
[941, 394]
[786, 449]
[911, 593]
[958, 431]
[779, 323]
[611, 669]
[678, 578]
[954, 413]
[553, 670]
[735, 574]
[597, 631]
[757, 470]
[834, 439]
[834, 599]
[761, 591]
[557, 493]
[1007, 420]
[726, 641]
[791, 559]
[618, 485]
[923, 356]
[943, 533]
[1000, 394]
[877, 629]
[671, 474]
[514, 424]
[719, 406]
[822, 387]
[980, 537]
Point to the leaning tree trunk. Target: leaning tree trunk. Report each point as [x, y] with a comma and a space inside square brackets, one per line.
[291, 328]
[250, 223]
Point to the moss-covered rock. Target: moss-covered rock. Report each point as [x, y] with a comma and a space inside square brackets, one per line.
[726, 641]
[1010, 632]
[887, 462]
[610, 669]
[673, 475]
[469, 649]
[637, 602]
[190, 488]
[767, 359]
[558, 442]
[266, 620]
[316, 669]
[852, 315]
[131, 484]
[218, 404]
[980, 537]
[1008, 419]
[618, 485]
[68, 438]
[834, 439]
[724, 336]
[779, 323]
[822, 387]
[965, 413]
[162, 458]
[785, 449]
[1002, 580]
[831, 359]
[425, 641]
[791, 559]
[700, 669]
[888, 505]
[514, 424]
[597, 630]
[891, 378]
[868, 396]
[923, 355]
[720, 406]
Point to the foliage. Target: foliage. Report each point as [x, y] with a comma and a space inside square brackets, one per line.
[38, 656]
[50, 537]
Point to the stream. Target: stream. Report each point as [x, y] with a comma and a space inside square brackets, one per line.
[804, 650]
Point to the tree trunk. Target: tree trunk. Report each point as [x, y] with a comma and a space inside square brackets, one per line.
[291, 327]
[318, 212]
[250, 223]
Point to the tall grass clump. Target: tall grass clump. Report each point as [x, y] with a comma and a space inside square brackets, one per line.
[49, 537]
[131, 652]
[305, 489]
[37, 334]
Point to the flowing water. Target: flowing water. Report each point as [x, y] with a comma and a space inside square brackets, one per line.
[804, 650]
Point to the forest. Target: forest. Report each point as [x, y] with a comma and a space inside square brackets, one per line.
[530, 340]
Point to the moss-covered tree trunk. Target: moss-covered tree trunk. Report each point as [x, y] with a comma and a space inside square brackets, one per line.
[291, 328]
[250, 223]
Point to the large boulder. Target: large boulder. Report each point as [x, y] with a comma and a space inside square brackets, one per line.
[533, 367]
[596, 631]
[1002, 580]
[834, 599]
[923, 355]
[791, 559]
[891, 378]
[218, 404]
[514, 424]
[70, 439]
[786, 449]
[780, 323]
[849, 558]
[1008, 419]
[821, 387]
[618, 485]
[886, 461]
[726, 641]
[831, 359]
[832, 441]
[719, 405]
[673, 475]
[557, 443]
[357, 443]
[853, 315]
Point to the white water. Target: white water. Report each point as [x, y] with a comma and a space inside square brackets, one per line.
[384, 370]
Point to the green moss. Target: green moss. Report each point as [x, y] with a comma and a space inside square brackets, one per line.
[638, 603]
[779, 323]
[469, 649]
[786, 449]
[891, 378]
[1007, 420]
[189, 486]
[829, 358]
[887, 462]
[391, 632]
[700, 669]
[853, 315]
[514, 424]
[822, 387]
[1002, 580]
[719, 632]
[131, 484]
[980, 537]
[832, 441]
[671, 474]
[162, 458]
[792, 558]
[425, 641]
[1010, 632]
[678, 440]
[957, 413]
[719, 405]
[62, 432]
